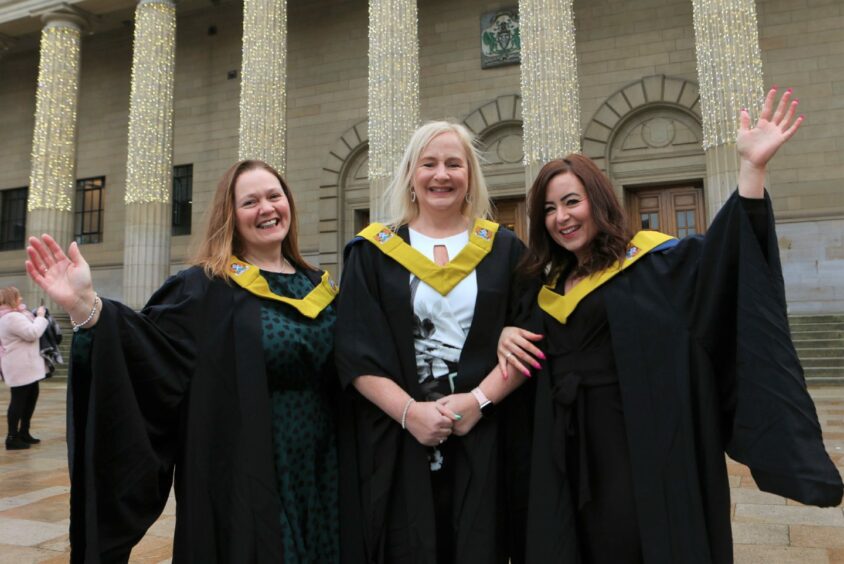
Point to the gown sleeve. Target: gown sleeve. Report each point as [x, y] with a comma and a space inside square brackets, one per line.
[128, 377]
[364, 343]
[737, 311]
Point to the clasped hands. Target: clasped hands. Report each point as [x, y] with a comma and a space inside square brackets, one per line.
[432, 422]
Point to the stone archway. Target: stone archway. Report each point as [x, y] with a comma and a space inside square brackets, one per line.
[648, 134]
[658, 91]
[497, 125]
[346, 163]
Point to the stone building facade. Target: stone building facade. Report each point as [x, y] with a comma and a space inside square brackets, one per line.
[641, 111]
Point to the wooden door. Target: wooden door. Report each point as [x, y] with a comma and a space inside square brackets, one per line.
[512, 214]
[676, 210]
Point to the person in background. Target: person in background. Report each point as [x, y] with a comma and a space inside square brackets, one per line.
[21, 363]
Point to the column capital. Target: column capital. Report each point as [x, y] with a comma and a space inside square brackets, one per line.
[62, 14]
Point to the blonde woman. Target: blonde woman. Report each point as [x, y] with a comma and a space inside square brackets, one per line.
[22, 364]
[225, 376]
[423, 301]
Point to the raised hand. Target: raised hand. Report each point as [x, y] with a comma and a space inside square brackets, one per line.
[66, 278]
[756, 145]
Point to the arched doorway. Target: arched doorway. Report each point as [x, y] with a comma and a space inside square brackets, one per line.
[647, 137]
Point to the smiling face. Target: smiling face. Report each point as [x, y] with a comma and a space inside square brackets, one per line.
[441, 176]
[262, 211]
[568, 215]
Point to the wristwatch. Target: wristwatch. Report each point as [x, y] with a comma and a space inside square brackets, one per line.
[483, 401]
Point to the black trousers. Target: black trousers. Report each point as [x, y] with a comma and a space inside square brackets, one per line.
[21, 408]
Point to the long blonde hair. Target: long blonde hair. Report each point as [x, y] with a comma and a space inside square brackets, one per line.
[221, 239]
[402, 209]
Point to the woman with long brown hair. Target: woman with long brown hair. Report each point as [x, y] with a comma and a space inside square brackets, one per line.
[662, 355]
[225, 378]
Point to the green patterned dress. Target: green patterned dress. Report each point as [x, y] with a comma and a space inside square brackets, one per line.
[296, 349]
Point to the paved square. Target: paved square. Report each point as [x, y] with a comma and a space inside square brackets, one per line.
[34, 499]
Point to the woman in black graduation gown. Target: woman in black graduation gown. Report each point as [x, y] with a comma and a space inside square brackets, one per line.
[421, 307]
[662, 355]
[226, 376]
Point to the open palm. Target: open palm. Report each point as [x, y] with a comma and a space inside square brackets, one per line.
[66, 278]
[758, 144]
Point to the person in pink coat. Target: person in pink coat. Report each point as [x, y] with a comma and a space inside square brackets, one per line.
[21, 363]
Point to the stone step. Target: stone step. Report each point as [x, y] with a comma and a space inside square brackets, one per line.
[798, 327]
[810, 351]
[818, 344]
[811, 319]
[823, 371]
[822, 362]
[837, 334]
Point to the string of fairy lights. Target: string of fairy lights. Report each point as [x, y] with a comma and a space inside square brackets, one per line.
[729, 66]
[150, 156]
[263, 82]
[54, 137]
[550, 90]
[393, 83]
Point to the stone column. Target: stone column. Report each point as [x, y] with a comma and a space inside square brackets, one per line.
[53, 174]
[393, 92]
[729, 67]
[550, 90]
[263, 82]
[149, 165]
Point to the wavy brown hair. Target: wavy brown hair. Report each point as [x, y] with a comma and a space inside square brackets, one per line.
[547, 259]
[221, 239]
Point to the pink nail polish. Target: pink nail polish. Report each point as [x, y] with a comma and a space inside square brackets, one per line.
[774, 87]
[536, 365]
[796, 100]
[541, 355]
[526, 372]
[788, 91]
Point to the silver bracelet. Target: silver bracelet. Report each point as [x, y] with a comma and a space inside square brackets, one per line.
[404, 413]
[78, 326]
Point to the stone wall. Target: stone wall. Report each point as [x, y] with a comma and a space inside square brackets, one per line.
[618, 42]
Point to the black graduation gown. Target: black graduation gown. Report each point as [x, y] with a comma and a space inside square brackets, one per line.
[375, 337]
[705, 365]
[180, 386]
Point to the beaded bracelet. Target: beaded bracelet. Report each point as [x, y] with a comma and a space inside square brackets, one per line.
[78, 326]
[404, 413]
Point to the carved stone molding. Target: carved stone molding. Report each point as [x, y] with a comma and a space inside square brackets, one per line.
[652, 91]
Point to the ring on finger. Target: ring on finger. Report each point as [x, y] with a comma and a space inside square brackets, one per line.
[507, 356]
[442, 441]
